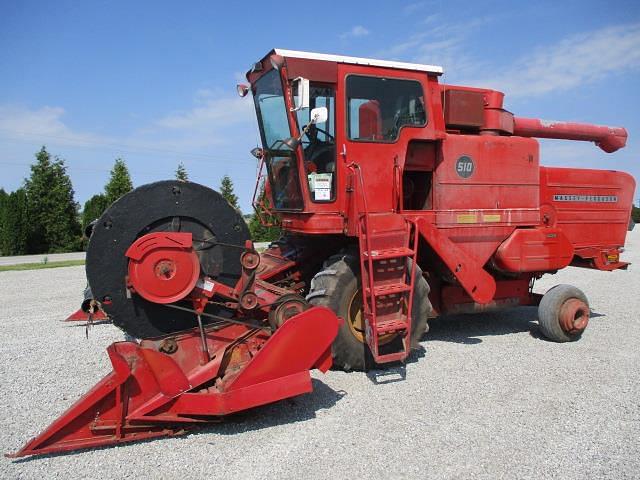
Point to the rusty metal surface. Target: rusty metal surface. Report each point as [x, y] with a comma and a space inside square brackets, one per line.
[574, 316]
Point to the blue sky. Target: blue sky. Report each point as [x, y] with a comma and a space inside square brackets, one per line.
[154, 82]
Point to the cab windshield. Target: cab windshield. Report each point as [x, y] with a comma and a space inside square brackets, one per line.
[282, 168]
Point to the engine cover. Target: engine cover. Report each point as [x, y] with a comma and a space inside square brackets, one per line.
[166, 206]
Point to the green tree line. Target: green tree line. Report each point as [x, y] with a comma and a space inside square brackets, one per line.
[42, 215]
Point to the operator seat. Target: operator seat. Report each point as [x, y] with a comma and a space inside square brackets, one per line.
[370, 121]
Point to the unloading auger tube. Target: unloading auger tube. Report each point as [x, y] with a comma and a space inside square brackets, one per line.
[171, 263]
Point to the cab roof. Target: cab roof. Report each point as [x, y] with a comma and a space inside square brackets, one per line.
[434, 69]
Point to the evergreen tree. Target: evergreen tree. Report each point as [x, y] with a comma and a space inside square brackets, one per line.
[260, 232]
[93, 208]
[52, 211]
[3, 203]
[226, 190]
[14, 234]
[635, 214]
[181, 173]
[119, 182]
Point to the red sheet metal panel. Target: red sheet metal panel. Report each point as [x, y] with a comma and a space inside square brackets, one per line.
[463, 108]
[487, 172]
[592, 207]
[534, 250]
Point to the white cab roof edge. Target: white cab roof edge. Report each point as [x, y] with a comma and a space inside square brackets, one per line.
[359, 61]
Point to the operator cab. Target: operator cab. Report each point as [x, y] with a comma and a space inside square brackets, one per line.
[314, 109]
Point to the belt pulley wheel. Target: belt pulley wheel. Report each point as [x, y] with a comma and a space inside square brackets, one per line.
[167, 206]
[286, 307]
[163, 267]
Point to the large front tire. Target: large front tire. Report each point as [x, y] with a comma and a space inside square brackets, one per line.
[337, 286]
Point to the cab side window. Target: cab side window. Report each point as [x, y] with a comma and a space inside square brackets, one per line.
[379, 107]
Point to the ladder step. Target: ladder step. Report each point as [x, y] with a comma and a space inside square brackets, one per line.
[391, 357]
[391, 326]
[390, 289]
[389, 253]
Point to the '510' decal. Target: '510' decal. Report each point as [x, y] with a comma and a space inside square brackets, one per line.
[464, 166]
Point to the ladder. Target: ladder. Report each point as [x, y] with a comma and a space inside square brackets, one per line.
[387, 242]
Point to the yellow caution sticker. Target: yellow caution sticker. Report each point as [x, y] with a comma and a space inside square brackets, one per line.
[467, 218]
[492, 217]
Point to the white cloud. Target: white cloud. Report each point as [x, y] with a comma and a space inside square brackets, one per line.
[560, 153]
[210, 113]
[431, 19]
[19, 122]
[218, 130]
[215, 119]
[356, 31]
[412, 8]
[405, 46]
[575, 60]
[440, 44]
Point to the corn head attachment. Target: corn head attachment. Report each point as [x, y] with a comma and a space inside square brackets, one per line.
[221, 330]
[161, 388]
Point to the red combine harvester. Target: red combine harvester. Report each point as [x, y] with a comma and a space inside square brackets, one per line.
[401, 198]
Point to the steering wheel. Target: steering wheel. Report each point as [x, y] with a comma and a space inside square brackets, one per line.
[314, 142]
[315, 134]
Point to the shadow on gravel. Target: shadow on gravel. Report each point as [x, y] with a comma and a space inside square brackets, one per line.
[468, 328]
[392, 374]
[291, 410]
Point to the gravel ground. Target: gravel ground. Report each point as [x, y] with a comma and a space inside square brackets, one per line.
[488, 398]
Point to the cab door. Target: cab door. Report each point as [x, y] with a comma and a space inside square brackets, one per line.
[382, 110]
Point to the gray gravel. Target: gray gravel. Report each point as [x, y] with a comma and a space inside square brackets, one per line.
[487, 398]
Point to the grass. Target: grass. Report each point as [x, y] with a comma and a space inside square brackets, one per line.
[40, 265]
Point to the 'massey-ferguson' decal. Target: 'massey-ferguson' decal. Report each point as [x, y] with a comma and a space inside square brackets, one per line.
[586, 198]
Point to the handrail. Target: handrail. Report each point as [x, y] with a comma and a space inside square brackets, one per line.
[397, 203]
[412, 279]
[353, 166]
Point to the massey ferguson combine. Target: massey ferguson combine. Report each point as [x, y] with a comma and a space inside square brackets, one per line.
[401, 198]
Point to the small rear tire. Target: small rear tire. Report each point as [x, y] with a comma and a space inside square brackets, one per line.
[337, 286]
[563, 313]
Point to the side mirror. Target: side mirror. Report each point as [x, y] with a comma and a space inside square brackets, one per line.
[319, 115]
[257, 152]
[300, 87]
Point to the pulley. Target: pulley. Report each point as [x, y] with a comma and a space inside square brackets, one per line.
[138, 260]
[163, 267]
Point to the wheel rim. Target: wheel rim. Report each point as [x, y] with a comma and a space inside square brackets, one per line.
[574, 316]
[356, 320]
